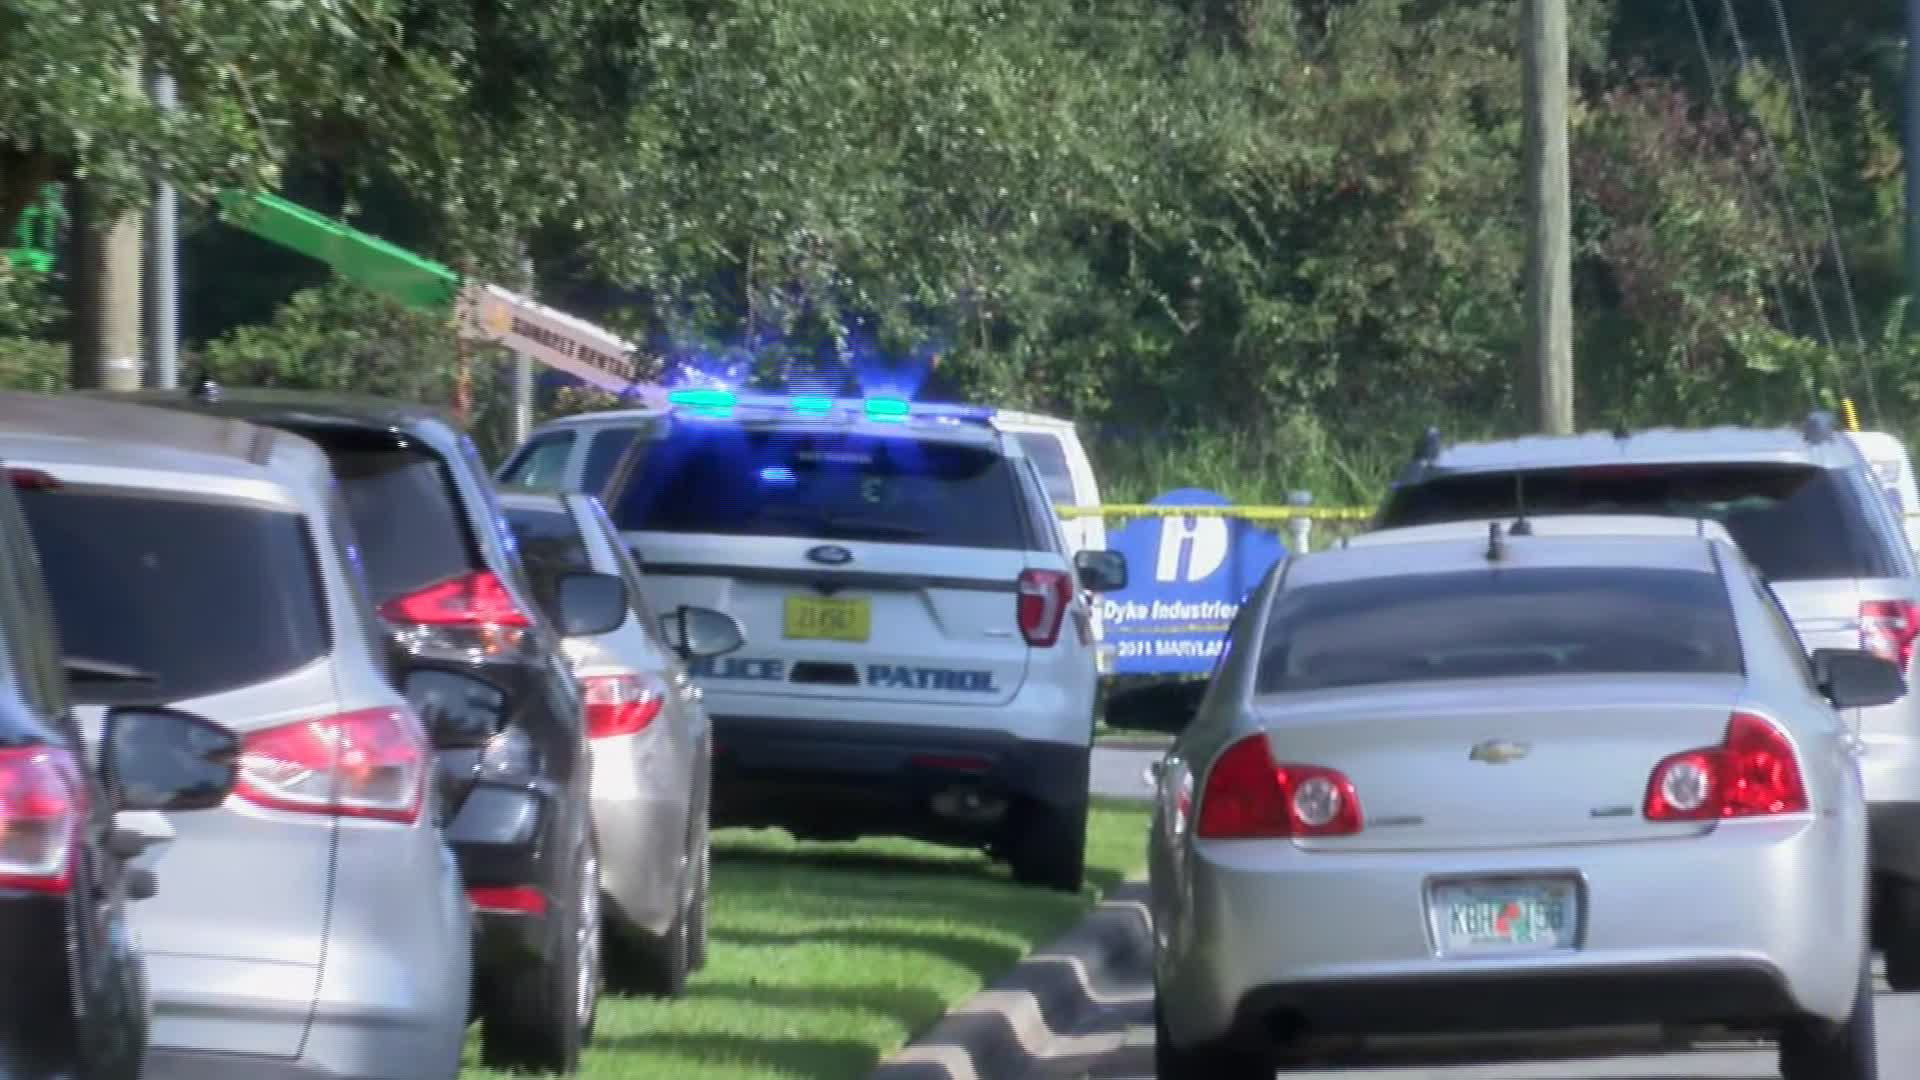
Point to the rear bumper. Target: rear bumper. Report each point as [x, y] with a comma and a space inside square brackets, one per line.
[641, 845]
[1692, 994]
[512, 836]
[838, 779]
[1742, 926]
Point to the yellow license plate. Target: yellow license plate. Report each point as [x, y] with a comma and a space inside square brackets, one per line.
[829, 619]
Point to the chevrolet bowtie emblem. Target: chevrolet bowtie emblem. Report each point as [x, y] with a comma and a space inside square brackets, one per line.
[1499, 751]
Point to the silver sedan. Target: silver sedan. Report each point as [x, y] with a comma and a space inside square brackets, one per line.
[1466, 784]
[651, 742]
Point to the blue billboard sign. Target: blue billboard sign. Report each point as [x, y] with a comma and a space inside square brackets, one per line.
[1187, 576]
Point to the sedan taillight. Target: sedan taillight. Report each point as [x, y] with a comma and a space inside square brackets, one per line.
[1250, 796]
[1754, 772]
[621, 704]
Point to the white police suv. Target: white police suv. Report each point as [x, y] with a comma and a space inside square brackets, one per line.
[920, 658]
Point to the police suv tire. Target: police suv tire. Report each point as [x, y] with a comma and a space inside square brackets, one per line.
[531, 1019]
[1899, 918]
[1813, 1048]
[1172, 1062]
[1049, 848]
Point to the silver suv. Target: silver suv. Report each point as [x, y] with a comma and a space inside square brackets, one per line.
[1804, 506]
[313, 924]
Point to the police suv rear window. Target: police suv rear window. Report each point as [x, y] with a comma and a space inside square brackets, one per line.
[738, 481]
[1480, 624]
[1796, 522]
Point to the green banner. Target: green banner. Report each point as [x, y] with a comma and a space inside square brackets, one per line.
[37, 235]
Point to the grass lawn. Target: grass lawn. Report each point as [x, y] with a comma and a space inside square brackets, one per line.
[826, 957]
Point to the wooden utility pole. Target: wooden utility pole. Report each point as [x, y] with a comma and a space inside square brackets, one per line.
[1549, 371]
[105, 284]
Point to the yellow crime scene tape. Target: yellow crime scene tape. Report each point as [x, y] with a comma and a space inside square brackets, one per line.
[1247, 513]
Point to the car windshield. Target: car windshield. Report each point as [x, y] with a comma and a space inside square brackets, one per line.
[165, 598]
[1496, 623]
[1796, 522]
[729, 480]
[551, 546]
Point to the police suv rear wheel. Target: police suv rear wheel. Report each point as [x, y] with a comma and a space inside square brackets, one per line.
[1049, 848]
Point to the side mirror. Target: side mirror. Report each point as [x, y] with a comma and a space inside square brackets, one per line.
[458, 710]
[697, 632]
[1101, 571]
[591, 604]
[1853, 679]
[167, 760]
[1164, 708]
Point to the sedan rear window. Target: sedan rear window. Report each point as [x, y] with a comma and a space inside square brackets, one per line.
[166, 599]
[1796, 522]
[551, 546]
[1497, 623]
[822, 485]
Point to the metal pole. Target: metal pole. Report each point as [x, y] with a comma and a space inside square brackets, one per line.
[163, 298]
[523, 368]
[1549, 237]
[1301, 527]
[1911, 126]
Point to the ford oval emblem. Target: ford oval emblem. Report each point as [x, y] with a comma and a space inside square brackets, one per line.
[830, 555]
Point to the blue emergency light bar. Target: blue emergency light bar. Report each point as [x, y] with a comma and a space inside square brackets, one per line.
[720, 404]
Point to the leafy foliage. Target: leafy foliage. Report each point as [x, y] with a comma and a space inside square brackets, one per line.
[1251, 243]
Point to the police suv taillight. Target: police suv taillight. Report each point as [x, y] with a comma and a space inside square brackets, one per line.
[1044, 596]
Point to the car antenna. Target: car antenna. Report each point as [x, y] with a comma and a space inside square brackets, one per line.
[1496, 544]
[1521, 526]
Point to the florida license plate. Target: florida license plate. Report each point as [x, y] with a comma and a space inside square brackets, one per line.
[1505, 916]
[824, 618]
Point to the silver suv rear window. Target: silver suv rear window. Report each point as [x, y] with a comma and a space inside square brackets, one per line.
[187, 597]
[1796, 522]
[1497, 623]
[736, 481]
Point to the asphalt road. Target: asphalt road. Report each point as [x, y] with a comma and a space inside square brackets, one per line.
[1120, 773]
[1118, 1045]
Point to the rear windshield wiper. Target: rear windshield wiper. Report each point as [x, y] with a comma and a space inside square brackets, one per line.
[853, 527]
[86, 669]
[846, 526]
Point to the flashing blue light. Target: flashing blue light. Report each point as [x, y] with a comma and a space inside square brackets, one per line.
[778, 475]
[711, 403]
[702, 399]
[887, 409]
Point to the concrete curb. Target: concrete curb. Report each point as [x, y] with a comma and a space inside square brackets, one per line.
[1132, 742]
[1003, 1032]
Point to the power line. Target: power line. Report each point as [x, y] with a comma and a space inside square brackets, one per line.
[1826, 204]
[1747, 186]
[1776, 165]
